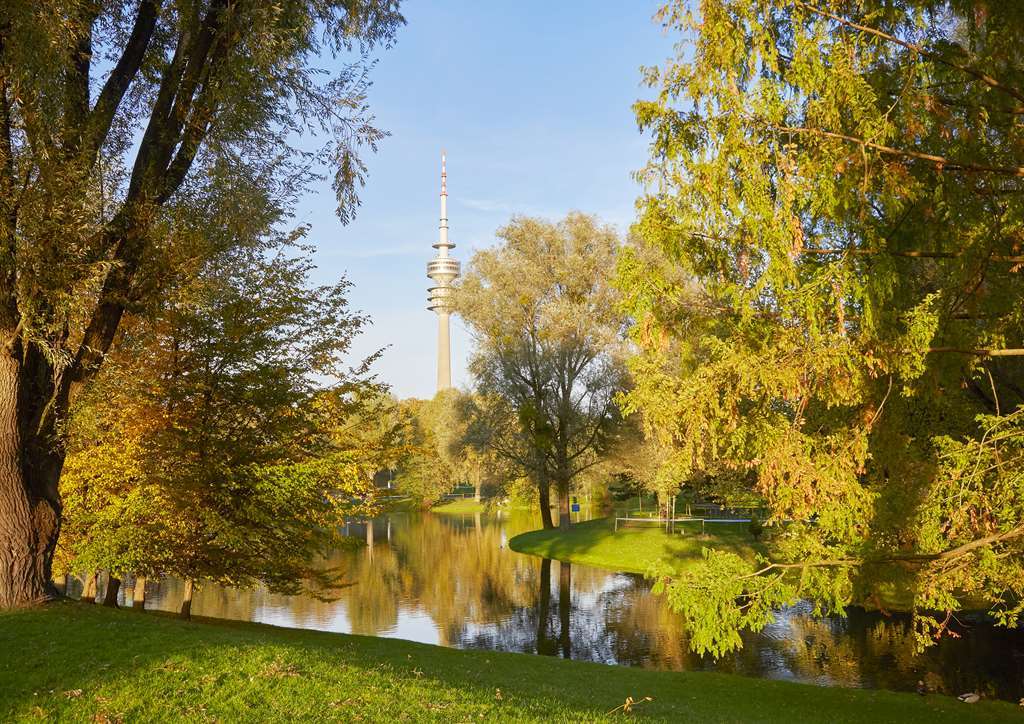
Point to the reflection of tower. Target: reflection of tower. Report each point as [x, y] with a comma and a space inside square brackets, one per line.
[443, 270]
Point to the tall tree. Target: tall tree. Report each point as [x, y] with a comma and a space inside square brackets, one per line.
[548, 337]
[842, 180]
[116, 119]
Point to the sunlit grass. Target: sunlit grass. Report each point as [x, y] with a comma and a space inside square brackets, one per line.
[635, 546]
[76, 662]
[461, 506]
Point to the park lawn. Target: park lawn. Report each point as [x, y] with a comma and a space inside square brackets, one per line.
[632, 549]
[460, 506]
[70, 661]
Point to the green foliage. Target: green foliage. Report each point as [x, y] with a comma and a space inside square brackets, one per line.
[548, 356]
[207, 450]
[983, 481]
[707, 595]
[827, 265]
[427, 469]
[141, 141]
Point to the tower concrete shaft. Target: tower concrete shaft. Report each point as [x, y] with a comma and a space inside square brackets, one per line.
[443, 271]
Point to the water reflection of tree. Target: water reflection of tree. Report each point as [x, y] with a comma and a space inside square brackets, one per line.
[868, 649]
[459, 574]
[458, 571]
[545, 645]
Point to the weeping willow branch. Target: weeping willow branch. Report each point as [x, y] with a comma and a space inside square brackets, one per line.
[950, 554]
[912, 254]
[974, 72]
[944, 164]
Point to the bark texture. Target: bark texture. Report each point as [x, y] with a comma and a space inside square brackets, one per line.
[139, 593]
[564, 521]
[29, 504]
[186, 600]
[89, 588]
[113, 587]
[544, 494]
[38, 376]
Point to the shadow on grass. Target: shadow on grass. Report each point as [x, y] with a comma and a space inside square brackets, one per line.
[77, 662]
[83, 662]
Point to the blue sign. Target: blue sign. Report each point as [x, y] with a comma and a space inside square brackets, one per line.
[575, 507]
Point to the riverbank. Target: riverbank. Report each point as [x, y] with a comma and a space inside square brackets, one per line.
[460, 506]
[76, 662]
[632, 549]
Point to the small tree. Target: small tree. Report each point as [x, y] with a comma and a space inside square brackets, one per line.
[462, 441]
[548, 335]
[210, 453]
[423, 472]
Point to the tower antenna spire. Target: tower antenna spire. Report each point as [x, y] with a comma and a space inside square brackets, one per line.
[443, 270]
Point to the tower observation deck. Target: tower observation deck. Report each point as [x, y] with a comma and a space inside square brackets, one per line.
[443, 270]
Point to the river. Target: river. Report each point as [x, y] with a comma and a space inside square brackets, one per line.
[452, 581]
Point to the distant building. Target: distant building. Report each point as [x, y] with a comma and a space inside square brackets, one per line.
[443, 270]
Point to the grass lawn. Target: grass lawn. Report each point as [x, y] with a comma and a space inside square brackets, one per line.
[460, 506]
[76, 662]
[633, 548]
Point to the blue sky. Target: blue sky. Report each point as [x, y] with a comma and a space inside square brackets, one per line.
[531, 100]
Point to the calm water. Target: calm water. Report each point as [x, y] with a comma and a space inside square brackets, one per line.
[451, 580]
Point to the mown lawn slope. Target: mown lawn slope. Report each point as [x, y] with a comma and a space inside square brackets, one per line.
[75, 662]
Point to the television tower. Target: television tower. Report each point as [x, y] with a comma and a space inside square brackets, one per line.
[443, 270]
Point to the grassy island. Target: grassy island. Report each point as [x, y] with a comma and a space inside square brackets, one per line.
[632, 549]
[75, 662]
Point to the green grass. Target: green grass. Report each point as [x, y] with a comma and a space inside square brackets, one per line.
[459, 506]
[75, 662]
[633, 548]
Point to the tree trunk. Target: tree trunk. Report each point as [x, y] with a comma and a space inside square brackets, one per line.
[186, 600]
[564, 607]
[545, 504]
[564, 519]
[113, 586]
[476, 492]
[139, 593]
[29, 504]
[89, 587]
